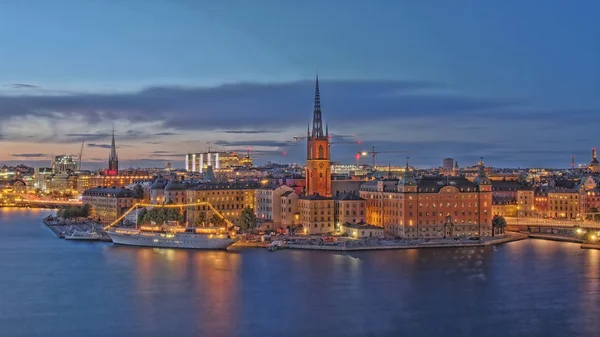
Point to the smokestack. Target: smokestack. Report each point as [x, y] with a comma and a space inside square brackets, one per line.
[572, 161]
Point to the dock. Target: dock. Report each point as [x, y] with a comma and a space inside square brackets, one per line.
[61, 229]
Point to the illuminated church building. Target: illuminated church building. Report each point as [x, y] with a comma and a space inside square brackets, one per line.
[316, 208]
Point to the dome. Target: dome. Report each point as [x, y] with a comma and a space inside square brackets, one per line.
[175, 185]
[159, 184]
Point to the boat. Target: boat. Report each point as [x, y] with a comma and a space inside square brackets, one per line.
[178, 237]
[91, 235]
[275, 245]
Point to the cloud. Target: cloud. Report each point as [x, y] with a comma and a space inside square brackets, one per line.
[430, 122]
[23, 86]
[29, 155]
[262, 143]
[250, 131]
[102, 146]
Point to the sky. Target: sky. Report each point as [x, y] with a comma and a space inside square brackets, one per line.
[515, 82]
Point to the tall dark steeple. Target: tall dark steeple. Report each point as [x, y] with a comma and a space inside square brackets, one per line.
[317, 131]
[113, 159]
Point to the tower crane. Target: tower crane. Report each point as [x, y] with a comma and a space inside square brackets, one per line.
[375, 153]
[80, 154]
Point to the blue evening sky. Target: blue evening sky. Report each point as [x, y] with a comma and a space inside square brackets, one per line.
[516, 59]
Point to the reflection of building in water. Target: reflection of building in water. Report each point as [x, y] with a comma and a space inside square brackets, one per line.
[216, 279]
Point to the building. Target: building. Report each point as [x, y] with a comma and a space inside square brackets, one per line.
[594, 164]
[268, 203]
[42, 175]
[119, 180]
[175, 192]
[563, 203]
[316, 208]
[227, 198]
[317, 214]
[361, 230]
[157, 191]
[63, 165]
[113, 159]
[349, 208]
[432, 206]
[108, 203]
[200, 161]
[448, 164]
[289, 209]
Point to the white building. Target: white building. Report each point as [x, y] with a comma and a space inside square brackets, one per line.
[268, 203]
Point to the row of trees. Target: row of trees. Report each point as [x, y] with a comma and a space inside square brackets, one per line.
[74, 212]
[161, 215]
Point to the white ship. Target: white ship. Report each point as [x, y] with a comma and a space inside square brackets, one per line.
[190, 238]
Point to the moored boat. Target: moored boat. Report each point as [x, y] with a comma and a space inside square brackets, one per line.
[179, 237]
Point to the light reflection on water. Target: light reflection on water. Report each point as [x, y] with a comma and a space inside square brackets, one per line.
[533, 288]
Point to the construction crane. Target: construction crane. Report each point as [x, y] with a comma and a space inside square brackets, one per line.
[80, 154]
[375, 153]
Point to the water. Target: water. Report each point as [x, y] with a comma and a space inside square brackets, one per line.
[52, 287]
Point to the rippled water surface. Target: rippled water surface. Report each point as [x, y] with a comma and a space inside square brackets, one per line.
[52, 287]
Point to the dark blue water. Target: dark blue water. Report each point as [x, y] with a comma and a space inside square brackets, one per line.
[52, 287]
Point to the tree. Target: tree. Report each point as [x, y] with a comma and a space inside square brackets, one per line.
[498, 224]
[141, 214]
[86, 210]
[216, 220]
[138, 192]
[248, 219]
[200, 220]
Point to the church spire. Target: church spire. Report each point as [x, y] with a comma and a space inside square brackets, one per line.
[113, 147]
[317, 130]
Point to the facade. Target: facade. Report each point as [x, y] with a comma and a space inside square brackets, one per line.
[42, 175]
[563, 203]
[289, 209]
[349, 208]
[448, 164]
[114, 180]
[361, 230]
[157, 191]
[63, 165]
[435, 206]
[175, 192]
[108, 203]
[268, 203]
[227, 198]
[316, 214]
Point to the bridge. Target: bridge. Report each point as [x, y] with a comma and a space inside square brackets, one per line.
[11, 199]
[136, 206]
[551, 223]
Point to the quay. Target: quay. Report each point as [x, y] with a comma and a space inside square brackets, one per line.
[60, 229]
[361, 245]
[554, 237]
[590, 246]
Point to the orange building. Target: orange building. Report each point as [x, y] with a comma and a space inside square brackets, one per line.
[316, 208]
[438, 206]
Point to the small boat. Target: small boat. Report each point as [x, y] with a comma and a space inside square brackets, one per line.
[91, 235]
[275, 245]
[495, 249]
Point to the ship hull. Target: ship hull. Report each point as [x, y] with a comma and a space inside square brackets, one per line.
[185, 241]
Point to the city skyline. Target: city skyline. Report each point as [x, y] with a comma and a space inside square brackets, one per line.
[503, 92]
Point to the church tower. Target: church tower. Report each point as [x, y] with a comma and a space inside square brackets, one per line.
[318, 165]
[113, 160]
